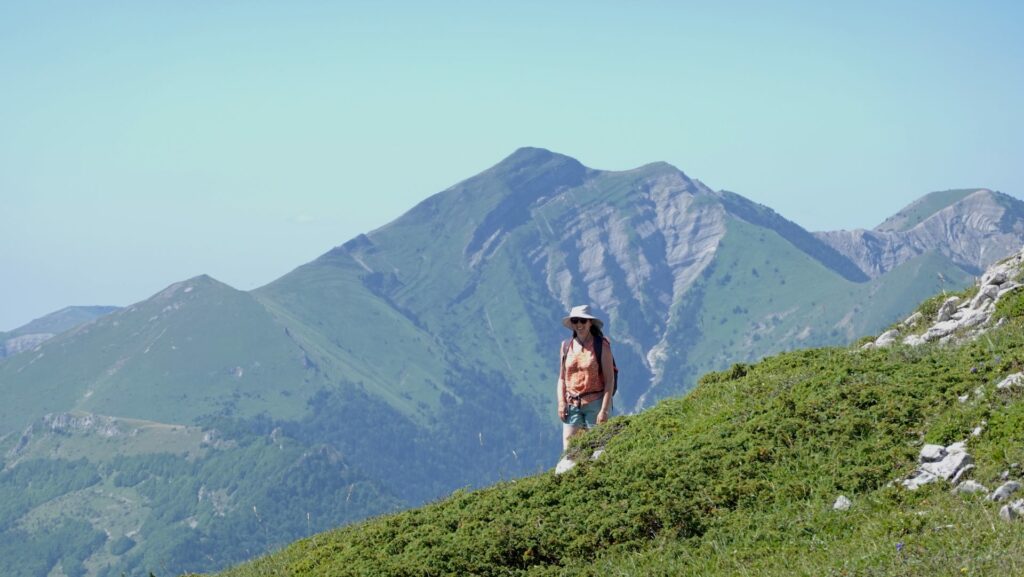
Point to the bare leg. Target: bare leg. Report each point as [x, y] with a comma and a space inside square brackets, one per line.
[568, 431]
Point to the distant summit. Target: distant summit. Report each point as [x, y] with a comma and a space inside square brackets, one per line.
[924, 207]
[971, 228]
[44, 328]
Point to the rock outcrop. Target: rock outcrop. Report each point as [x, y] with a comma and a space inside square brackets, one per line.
[960, 318]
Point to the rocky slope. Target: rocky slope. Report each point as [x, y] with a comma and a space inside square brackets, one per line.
[971, 228]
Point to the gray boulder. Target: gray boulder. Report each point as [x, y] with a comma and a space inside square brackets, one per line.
[1003, 492]
[947, 309]
[969, 488]
[931, 453]
[918, 479]
[1012, 511]
[1011, 381]
[949, 466]
[887, 338]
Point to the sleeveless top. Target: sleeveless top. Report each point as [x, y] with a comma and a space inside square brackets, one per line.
[582, 377]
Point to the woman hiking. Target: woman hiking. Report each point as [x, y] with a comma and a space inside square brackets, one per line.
[583, 399]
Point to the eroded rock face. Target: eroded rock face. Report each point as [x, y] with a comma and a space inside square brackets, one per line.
[972, 232]
[82, 423]
[23, 343]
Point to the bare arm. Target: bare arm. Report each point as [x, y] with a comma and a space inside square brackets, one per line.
[608, 372]
[560, 387]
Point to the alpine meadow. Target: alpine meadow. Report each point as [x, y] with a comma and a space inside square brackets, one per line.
[806, 463]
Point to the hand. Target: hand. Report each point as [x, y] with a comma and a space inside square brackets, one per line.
[602, 416]
[561, 411]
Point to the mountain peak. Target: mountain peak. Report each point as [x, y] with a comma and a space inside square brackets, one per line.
[529, 157]
[923, 208]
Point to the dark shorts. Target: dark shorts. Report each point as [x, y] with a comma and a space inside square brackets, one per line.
[584, 416]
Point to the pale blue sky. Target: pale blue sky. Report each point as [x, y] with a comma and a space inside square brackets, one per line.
[142, 143]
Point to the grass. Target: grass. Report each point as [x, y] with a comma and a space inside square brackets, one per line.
[737, 478]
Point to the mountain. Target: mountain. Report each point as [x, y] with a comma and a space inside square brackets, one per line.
[972, 228]
[209, 424]
[29, 336]
[830, 461]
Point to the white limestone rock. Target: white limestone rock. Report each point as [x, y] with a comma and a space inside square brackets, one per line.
[939, 330]
[931, 453]
[887, 338]
[979, 429]
[913, 340]
[961, 474]
[985, 294]
[1011, 381]
[912, 319]
[1003, 492]
[969, 487]
[994, 277]
[947, 309]
[842, 503]
[957, 447]
[564, 466]
[949, 466]
[1012, 511]
[918, 479]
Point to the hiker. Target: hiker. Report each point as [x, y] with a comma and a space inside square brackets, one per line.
[583, 399]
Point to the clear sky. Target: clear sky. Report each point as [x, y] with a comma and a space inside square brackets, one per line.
[143, 143]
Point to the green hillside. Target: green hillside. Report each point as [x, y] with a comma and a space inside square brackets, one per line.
[738, 478]
[161, 497]
[199, 348]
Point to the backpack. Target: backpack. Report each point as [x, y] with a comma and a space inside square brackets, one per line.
[600, 366]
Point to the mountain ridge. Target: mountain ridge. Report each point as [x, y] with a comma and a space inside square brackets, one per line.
[394, 348]
[30, 335]
[953, 228]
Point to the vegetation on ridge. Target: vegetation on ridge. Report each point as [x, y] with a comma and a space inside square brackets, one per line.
[739, 477]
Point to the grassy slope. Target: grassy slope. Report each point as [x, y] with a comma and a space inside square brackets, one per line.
[198, 348]
[738, 477]
[762, 296]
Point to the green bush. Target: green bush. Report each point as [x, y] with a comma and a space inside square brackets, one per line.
[1010, 305]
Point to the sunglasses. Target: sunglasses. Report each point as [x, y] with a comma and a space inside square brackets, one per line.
[579, 321]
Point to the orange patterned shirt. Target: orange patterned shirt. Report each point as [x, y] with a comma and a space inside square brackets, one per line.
[581, 375]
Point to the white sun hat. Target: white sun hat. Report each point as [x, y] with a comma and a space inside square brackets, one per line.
[581, 312]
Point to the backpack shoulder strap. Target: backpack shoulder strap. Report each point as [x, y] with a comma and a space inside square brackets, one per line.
[565, 352]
